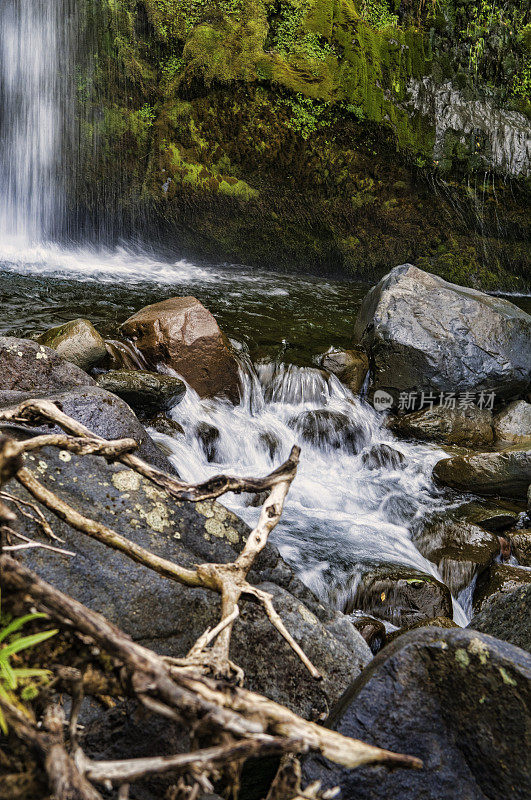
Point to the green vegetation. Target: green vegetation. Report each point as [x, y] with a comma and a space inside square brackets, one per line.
[19, 684]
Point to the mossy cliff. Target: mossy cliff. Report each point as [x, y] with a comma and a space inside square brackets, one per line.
[308, 133]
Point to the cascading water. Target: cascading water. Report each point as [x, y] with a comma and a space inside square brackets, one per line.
[33, 55]
[345, 513]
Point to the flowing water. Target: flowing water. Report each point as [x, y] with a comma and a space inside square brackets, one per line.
[342, 517]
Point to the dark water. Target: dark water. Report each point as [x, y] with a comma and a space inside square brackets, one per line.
[294, 317]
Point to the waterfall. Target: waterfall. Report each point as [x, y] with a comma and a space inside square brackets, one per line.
[34, 69]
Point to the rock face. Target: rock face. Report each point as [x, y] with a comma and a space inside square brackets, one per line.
[508, 617]
[499, 580]
[506, 474]
[145, 391]
[31, 367]
[77, 341]
[168, 616]
[457, 546]
[469, 427]
[350, 366]
[183, 334]
[457, 699]
[401, 595]
[424, 334]
[513, 424]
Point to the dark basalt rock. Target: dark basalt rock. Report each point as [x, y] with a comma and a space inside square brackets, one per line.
[457, 699]
[425, 334]
[31, 367]
[401, 595]
[507, 616]
[330, 429]
[498, 580]
[144, 391]
[168, 616]
[383, 456]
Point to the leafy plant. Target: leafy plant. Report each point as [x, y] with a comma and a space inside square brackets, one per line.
[18, 684]
[378, 14]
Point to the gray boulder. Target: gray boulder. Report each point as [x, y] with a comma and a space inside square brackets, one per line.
[513, 424]
[76, 341]
[507, 616]
[425, 334]
[168, 616]
[506, 473]
[457, 699]
[28, 366]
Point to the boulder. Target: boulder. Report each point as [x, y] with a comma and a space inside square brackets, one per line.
[506, 473]
[27, 366]
[425, 334]
[208, 436]
[498, 580]
[168, 616]
[507, 616]
[457, 699]
[521, 545]
[331, 430]
[76, 341]
[183, 334]
[166, 425]
[513, 424]
[103, 413]
[436, 622]
[144, 391]
[457, 546]
[491, 515]
[350, 366]
[401, 595]
[466, 427]
[383, 456]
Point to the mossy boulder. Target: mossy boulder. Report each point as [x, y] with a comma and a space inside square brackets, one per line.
[458, 699]
[506, 473]
[145, 391]
[77, 341]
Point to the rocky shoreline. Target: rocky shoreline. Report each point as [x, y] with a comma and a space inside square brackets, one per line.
[458, 698]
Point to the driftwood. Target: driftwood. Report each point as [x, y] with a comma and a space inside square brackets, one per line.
[239, 723]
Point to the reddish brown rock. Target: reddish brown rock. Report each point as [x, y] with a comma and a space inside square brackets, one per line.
[183, 334]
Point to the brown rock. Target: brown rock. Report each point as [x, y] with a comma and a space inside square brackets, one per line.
[183, 334]
[471, 426]
[350, 366]
[499, 580]
[505, 474]
[521, 545]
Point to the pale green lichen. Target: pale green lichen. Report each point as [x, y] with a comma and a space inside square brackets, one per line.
[126, 481]
[480, 649]
[307, 615]
[461, 656]
[506, 677]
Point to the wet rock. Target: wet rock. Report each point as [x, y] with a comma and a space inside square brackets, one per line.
[208, 436]
[490, 515]
[350, 366]
[271, 443]
[399, 509]
[457, 546]
[507, 616]
[521, 546]
[166, 425]
[513, 424]
[101, 412]
[498, 580]
[183, 334]
[401, 595]
[436, 622]
[372, 630]
[506, 473]
[144, 391]
[457, 699]
[468, 427]
[27, 366]
[383, 456]
[77, 341]
[169, 616]
[330, 430]
[425, 334]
